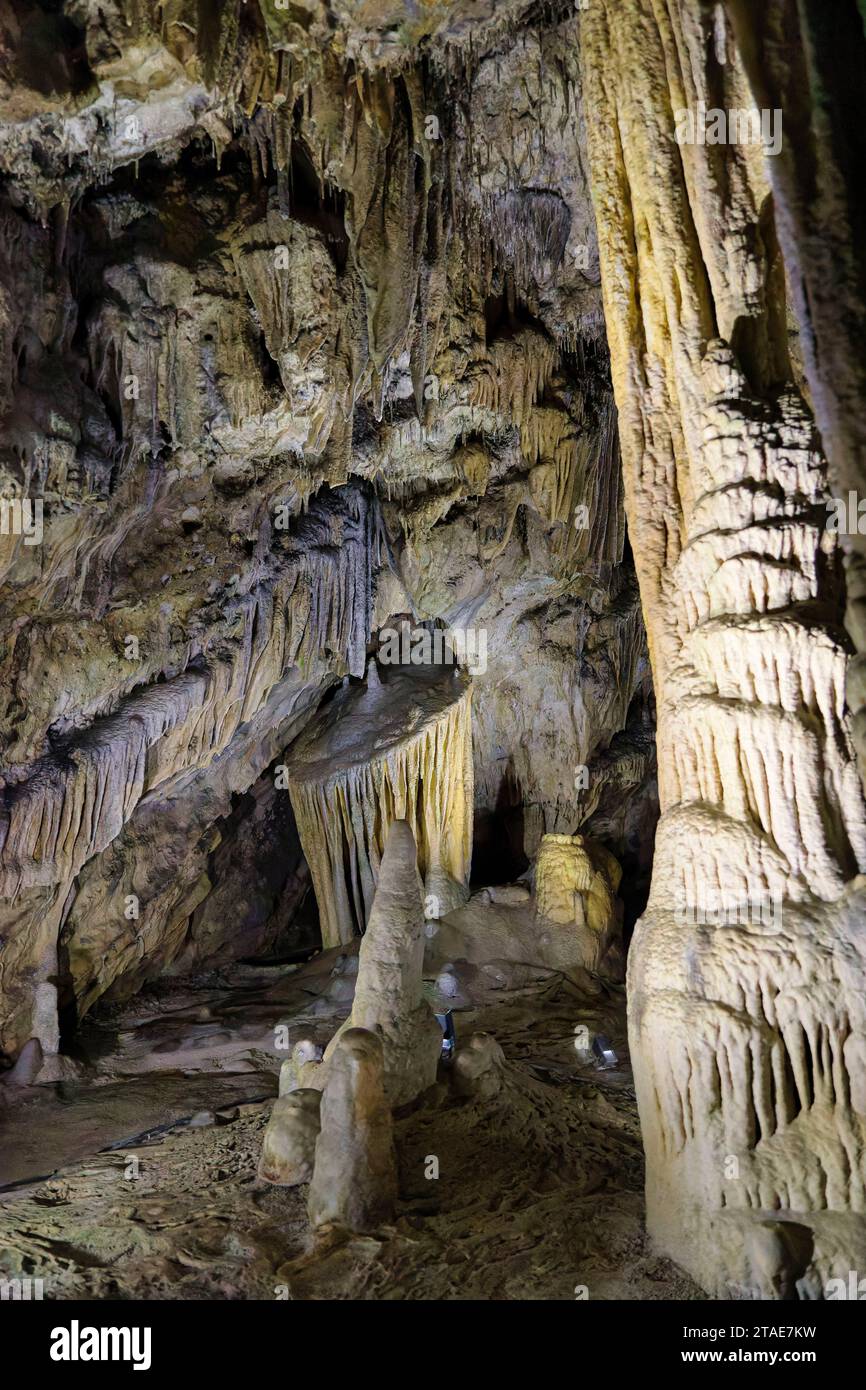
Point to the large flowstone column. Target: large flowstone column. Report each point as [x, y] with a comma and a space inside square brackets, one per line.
[747, 1015]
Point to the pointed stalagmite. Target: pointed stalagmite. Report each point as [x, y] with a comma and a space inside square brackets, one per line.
[355, 1174]
[388, 995]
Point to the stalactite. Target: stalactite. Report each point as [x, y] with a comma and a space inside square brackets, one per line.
[74, 801]
[399, 752]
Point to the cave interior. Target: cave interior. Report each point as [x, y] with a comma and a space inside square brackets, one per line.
[432, 694]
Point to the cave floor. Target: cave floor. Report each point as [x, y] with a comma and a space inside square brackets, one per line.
[136, 1179]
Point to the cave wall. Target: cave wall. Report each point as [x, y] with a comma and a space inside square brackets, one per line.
[300, 332]
[306, 328]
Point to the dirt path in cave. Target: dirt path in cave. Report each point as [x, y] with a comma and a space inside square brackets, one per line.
[539, 1193]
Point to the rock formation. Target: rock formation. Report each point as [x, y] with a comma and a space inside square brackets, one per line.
[398, 749]
[259, 438]
[533, 330]
[355, 1173]
[289, 1147]
[576, 883]
[737, 1059]
[298, 1072]
[388, 996]
[479, 1067]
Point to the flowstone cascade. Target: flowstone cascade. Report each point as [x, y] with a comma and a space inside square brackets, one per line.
[576, 883]
[747, 1024]
[398, 748]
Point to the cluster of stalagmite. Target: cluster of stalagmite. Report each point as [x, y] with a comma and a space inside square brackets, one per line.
[747, 1021]
[384, 1055]
[398, 748]
[339, 1140]
[387, 1051]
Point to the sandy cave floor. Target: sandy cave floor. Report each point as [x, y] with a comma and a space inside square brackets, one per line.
[540, 1190]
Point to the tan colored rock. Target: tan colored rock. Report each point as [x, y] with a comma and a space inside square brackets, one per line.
[354, 1180]
[389, 999]
[289, 1144]
[348, 370]
[745, 1074]
[820, 227]
[576, 883]
[499, 936]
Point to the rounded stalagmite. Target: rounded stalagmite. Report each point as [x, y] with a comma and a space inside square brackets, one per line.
[355, 1174]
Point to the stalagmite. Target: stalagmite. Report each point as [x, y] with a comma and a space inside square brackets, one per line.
[398, 749]
[576, 882]
[290, 1139]
[355, 1174]
[578, 919]
[388, 994]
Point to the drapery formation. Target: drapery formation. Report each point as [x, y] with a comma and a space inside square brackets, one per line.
[397, 751]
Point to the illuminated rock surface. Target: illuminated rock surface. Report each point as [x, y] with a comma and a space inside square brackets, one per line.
[397, 749]
[321, 322]
[355, 1171]
[747, 1036]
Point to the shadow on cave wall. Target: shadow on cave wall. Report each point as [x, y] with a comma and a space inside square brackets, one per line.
[261, 908]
